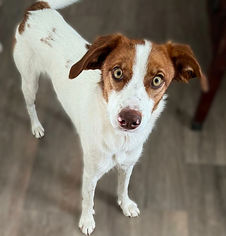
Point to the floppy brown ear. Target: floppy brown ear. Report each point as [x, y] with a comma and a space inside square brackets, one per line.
[185, 64]
[96, 54]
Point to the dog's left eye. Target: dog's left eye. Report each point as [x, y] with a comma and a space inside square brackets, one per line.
[117, 73]
[157, 81]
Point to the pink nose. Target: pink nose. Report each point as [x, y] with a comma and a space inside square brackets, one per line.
[129, 119]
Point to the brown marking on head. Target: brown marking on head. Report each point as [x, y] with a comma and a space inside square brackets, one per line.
[36, 6]
[28, 25]
[107, 53]
[14, 43]
[54, 30]
[96, 55]
[123, 57]
[159, 63]
[172, 62]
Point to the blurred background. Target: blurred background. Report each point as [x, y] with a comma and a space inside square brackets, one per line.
[179, 183]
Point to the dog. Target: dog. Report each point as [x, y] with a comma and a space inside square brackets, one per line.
[113, 90]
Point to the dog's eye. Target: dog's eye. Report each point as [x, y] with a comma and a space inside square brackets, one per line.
[117, 73]
[157, 81]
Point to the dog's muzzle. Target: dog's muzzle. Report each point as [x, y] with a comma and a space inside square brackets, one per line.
[129, 119]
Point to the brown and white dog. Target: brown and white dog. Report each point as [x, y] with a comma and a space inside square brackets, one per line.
[114, 95]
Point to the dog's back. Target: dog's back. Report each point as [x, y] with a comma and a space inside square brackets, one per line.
[46, 43]
[44, 33]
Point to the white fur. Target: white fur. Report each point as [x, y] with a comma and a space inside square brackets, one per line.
[58, 4]
[50, 45]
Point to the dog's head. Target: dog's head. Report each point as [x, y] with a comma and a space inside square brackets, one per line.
[136, 74]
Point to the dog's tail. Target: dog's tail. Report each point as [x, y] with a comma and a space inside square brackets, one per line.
[58, 4]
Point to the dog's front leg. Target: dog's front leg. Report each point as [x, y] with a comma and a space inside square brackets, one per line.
[87, 223]
[128, 206]
[94, 169]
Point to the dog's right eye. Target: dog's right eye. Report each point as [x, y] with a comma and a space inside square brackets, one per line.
[117, 73]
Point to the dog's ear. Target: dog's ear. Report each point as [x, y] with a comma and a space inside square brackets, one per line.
[96, 54]
[185, 65]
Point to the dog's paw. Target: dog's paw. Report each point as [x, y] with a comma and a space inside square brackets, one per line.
[87, 224]
[38, 131]
[129, 208]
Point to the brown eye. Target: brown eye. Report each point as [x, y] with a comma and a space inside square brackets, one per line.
[117, 73]
[157, 81]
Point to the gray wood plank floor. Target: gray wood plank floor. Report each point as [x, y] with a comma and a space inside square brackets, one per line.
[180, 181]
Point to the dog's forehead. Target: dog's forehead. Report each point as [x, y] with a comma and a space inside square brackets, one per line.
[136, 60]
[142, 57]
[142, 54]
[148, 60]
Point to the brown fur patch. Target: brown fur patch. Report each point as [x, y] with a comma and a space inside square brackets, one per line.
[36, 6]
[159, 62]
[123, 57]
[106, 53]
[96, 55]
[173, 61]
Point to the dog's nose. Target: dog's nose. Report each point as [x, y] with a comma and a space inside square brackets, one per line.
[129, 119]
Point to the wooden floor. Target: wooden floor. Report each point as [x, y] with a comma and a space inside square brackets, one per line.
[180, 181]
